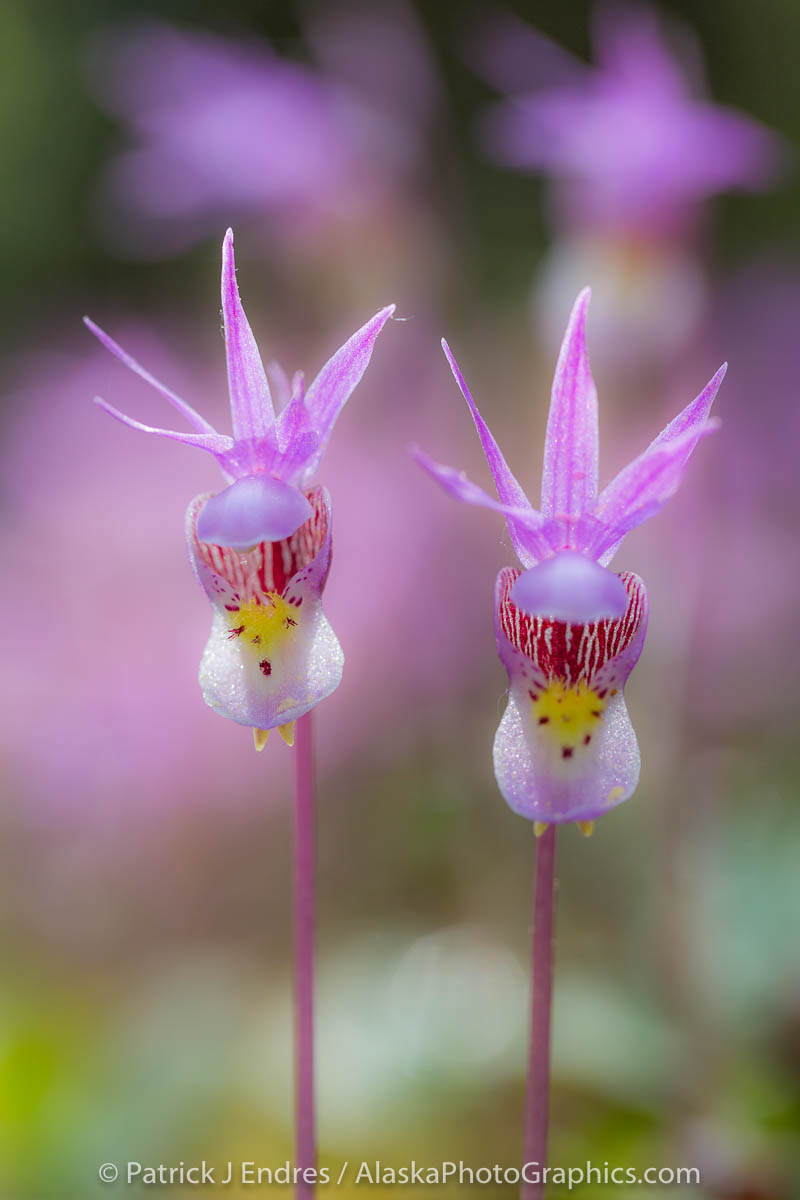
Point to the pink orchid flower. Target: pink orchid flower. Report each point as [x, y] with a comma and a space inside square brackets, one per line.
[261, 547]
[569, 631]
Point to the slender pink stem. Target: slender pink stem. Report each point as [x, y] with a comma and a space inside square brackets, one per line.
[305, 1133]
[537, 1099]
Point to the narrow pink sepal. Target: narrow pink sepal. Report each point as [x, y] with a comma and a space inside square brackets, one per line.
[251, 404]
[335, 383]
[186, 410]
[694, 415]
[216, 443]
[508, 487]
[456, 484]
[642, 488]
[569, 478]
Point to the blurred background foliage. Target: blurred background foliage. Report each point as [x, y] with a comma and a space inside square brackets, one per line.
[144, 1008]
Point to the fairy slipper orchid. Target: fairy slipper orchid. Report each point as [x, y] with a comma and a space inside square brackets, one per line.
[569, 631]
[260, 548]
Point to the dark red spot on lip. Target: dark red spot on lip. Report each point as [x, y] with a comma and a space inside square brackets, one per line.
[587, 739]
[290, 621]
[232, 633]
[265, 667]
[567, 752]
[544, 720]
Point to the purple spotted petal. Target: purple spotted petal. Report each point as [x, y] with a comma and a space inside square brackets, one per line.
[335, 383]
[527, 547]
[565, 749]
[570, 587]
[569, 479]
[257, 508]
[272, 654]
[251, 403]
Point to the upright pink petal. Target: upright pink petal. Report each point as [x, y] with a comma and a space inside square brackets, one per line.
[694, 415]
[569, 479]
[508, 488]
[298, 440]
[251, 403]
[335, 383]
[643, 487]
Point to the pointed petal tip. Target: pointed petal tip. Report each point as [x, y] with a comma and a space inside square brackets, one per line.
[586, 827]
[100, 334]
[539, 828]
[456, 370]
[579, 310]
[384, 314]
[287, 732]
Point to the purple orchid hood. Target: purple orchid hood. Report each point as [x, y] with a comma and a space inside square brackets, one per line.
[568, 630]
[261, 547]
[629, 144]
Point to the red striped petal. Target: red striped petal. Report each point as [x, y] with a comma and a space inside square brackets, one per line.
[269, 566]
[564, 651]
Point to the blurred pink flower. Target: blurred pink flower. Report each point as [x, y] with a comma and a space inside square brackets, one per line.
[746, 552]
[631, 150]
[229, 131]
